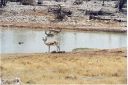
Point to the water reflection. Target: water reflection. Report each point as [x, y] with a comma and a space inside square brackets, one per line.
[32, 41]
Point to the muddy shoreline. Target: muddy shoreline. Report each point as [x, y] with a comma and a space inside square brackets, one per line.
[120, 51]
[62, 26]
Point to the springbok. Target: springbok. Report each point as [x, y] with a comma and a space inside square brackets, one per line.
[51, 42]
[49, 34]
[52, 32]
[56, 31]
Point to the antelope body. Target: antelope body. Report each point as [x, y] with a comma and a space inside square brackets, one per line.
[52, 32]
[51, 42]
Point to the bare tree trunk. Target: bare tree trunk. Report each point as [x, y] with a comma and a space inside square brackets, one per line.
[3, 3]
[103, 3]
[121, 4]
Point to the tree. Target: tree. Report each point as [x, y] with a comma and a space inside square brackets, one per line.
[103, 3]
[2, 3]
[121, 4]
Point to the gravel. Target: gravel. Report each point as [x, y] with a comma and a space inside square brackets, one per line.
[14, 12]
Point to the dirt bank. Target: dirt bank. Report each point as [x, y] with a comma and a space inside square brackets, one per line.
[62, 26]
[85, 67]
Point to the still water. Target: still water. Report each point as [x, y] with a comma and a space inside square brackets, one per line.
[32, 41]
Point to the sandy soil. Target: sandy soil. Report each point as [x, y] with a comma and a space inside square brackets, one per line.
[84, 67]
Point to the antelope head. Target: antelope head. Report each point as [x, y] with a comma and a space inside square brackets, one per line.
[44, 39]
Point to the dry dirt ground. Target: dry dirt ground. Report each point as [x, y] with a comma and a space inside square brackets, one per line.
[79, 67]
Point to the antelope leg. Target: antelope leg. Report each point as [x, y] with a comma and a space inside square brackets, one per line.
[58, 48]
[49, 48]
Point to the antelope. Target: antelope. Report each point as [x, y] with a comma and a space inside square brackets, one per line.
[51, 43]
[49, 33]
[52, 32]
[55, 31]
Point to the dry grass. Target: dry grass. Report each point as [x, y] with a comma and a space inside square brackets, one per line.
[104, 67]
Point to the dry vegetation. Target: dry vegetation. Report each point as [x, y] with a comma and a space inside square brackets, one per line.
[104, 66]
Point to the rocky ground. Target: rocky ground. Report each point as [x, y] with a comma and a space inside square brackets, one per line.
[13, 14]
